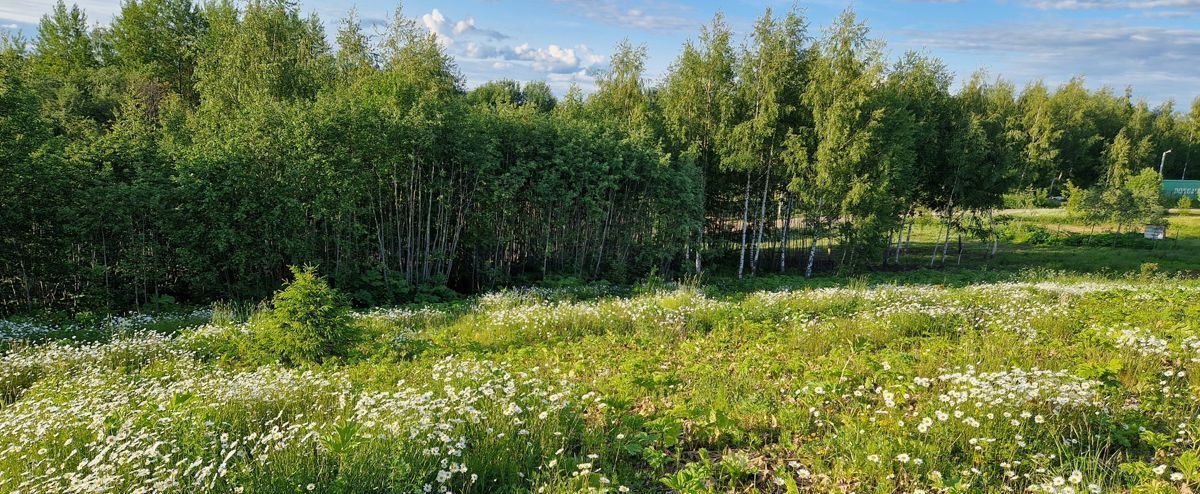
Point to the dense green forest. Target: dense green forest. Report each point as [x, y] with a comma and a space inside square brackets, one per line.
[196, 151]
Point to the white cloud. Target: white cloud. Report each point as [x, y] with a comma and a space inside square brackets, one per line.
[557, 59]
[561, 83]
[476, 50]
[572, 77]
[468, 27]
[437, 24]
[1113, 4]
[1159, 62]
[649, 15]
[31, 11]
[481, 56]
[1165, 14]
[447, 30]
[551, 59]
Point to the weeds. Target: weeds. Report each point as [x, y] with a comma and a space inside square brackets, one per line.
[1045, 383]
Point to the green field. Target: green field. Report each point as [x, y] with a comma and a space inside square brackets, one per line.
[969, 379]
[281, 247]
[1180, 252]
[1065, 245]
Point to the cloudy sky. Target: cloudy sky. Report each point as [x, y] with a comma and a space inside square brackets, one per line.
[1149, 44]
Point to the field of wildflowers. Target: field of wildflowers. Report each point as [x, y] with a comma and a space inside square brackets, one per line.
[1053, 384]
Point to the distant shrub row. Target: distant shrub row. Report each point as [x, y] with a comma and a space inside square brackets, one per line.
[1023, 233]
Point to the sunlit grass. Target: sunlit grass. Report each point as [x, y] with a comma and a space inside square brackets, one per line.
[1049, 382]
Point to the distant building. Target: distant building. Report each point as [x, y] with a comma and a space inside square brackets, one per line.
[1176, 188]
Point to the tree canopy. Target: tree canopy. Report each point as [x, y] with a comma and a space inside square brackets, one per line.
[197, 150]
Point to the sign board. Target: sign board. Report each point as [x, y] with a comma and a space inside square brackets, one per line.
[1175, 188]
[1156, 232]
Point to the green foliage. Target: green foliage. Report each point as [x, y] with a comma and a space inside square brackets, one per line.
[691, 479]
[1036, 235]
[1105, 372]
[1087, 205]
[1083, 381]
[1132, 240]
[156, 39]
[1125, 202]
[308, 321]
[1148, 270]
[192, 150]
[1029, 199]
[860, 153]
[1188, 464]
[535, 94]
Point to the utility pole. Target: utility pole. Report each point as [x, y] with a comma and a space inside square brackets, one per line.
[1163, 162]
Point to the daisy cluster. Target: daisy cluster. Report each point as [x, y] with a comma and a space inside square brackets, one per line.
[139, 415]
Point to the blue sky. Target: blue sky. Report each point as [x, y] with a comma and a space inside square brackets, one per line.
[1149, 44]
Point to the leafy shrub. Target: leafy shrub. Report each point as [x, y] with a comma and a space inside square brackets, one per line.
[1023, 233]
[653, 282]
[230, 343]
[1185, 202]
[233, 312]
[162, 303]
[1148, 270]
[1029, 199]
[377, 287]
[308, 321]
[1135, 201]
[1130, 240]
[435, 292]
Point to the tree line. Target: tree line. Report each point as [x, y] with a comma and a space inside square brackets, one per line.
[196, 151]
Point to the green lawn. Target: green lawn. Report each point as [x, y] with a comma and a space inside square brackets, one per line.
[1179, 253]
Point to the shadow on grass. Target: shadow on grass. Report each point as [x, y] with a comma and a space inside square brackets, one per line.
[1012, 261]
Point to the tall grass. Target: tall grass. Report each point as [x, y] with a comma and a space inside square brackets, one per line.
[1044, 383]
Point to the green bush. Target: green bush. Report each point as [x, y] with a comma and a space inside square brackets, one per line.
[1136, 201]
[308, 321]
[1185, 202]
[232, 344]
[1130, 240]
[1024, 233]
[1028, 199]
[1148, 270]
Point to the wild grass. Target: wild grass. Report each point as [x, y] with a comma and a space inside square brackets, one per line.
[1019, 379]
[1045, 383]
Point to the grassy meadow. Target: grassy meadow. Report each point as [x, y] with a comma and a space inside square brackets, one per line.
[983, 377]
[1052, 239]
